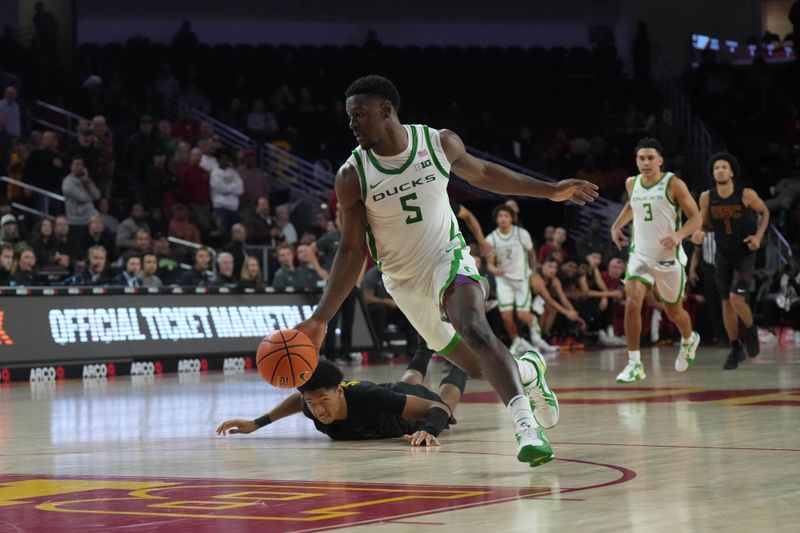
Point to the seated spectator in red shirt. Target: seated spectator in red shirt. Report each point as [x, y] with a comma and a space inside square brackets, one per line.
[612, 278]
[181, 227]
[261, 227]
[187, 128]
[558, 248]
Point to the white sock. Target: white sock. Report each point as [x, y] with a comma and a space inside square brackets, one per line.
[635, 356]
[521, 414]
[526, 372]
[687, 341]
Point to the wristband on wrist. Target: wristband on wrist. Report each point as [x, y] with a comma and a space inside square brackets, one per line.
[436, 421]
[262, 421]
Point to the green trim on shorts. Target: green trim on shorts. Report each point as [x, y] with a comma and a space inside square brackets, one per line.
[444, 352]
[680, 293]
[436, 162]
[638, 278]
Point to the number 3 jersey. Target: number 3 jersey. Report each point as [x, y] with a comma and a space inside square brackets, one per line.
[410, 224]
[655, 216]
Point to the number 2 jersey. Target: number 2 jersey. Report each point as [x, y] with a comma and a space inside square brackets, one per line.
[732, 222]
[410, 224]
[655, 216]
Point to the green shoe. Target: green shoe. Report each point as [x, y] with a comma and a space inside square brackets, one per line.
[632, 372]
[533, 447]
[544, 402]
[686, 353]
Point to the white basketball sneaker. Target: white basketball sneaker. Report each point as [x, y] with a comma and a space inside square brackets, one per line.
[687, 352]
[633, 371]
[544, 402]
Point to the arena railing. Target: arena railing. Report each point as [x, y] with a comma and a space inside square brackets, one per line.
[54, 118]
[44, 198]
[306, 180]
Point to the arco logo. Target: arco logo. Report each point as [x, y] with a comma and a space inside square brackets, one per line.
[4, 338]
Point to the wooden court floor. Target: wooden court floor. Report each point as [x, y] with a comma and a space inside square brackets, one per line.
[708, 450]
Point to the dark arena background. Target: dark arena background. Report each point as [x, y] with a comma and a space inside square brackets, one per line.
[169, 197]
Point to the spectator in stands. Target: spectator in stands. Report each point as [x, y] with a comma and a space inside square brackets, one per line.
[200, 275]
[226, 275]
[290, 276]
[307, 258]
[126, 232]
[181, 159]
[181, 227]
[25, 275]
[45, 245]
[381, 308]
[95, 273]
[139, 156]
[45, 167]
[237, 246]
[168, 143]
[226, 187]
[109, 221]
[196, 191]
[261, 228]
[7, 263]
[104, 141]
[68, 243]
[255, 182]
[85, 150]
[284, 225]
[98, 235]
[251, 274]
[546, 284]
[129, 277]
[80, 193]
[148, 275]
[260, 122]
[206, 133]
[208, 160]
[9, 233]
[612, 278]
[11, 111]
[557, 248]
[168, 270]
[187, 128]
[596, 299]
[235, 116]
[162, 184]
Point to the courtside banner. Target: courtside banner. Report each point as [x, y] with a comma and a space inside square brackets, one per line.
[63, 329]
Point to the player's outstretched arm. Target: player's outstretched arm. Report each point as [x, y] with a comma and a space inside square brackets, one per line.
[435, 414]
[496, 178]
[349, 257]
[289, 406]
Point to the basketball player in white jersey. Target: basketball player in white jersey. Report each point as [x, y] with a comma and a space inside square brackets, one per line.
[655, 201]
[511, 266]
[393, 192]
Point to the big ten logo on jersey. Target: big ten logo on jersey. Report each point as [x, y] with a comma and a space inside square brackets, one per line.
[192, 366]
[423, 164]
[234, 365]
[46, 374]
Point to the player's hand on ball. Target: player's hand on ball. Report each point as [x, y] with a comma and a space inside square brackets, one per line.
[238, 425]
[314, 330]
[422, 438]
[579, 191]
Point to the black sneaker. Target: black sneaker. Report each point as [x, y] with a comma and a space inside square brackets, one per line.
[751, 343]
[734, 358]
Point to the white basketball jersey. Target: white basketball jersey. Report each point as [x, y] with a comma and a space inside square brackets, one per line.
[410, 225]
[511, 252]
[655, 216]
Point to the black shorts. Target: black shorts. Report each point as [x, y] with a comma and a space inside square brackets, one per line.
[415, 390]
[735, 274]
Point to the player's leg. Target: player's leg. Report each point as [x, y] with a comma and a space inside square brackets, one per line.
[724, 282]
[464, 304]
[451, 388]
[635, 291]
[671, 282]
[509, 298]
[418, 366]
[743, 284]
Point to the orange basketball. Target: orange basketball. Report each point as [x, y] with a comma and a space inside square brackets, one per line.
[286, 358]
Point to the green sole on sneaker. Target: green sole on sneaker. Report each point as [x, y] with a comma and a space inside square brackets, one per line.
[534, 456]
